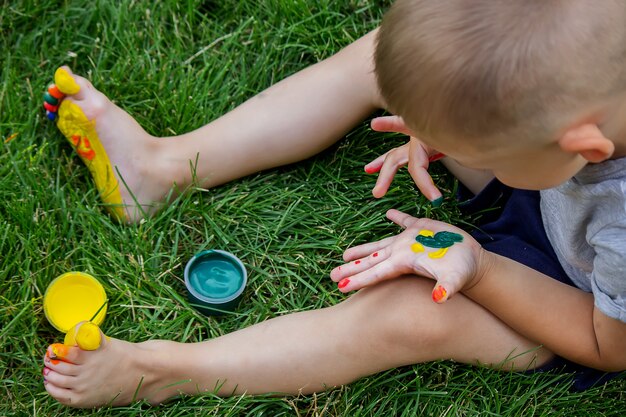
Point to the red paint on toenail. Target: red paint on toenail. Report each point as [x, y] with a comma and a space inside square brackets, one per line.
[343, 283]
[357, 262]
[50, 107]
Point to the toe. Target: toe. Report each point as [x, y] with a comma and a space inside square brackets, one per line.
[65, 81]
[77, 87]
[57, 379]
[62, 367]
[60, 352]
[62, 395]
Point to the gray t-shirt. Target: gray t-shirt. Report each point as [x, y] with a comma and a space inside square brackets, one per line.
[585, 220]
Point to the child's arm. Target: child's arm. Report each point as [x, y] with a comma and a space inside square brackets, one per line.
[562, 318]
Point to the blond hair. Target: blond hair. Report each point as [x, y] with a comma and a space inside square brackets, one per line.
[496, 68]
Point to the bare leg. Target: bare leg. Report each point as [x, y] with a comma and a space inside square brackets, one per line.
[391, 324]
[290, 121]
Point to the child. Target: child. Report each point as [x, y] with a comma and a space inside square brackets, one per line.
[483, 82]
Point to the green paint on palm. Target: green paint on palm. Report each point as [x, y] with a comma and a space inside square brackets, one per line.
[440, 239]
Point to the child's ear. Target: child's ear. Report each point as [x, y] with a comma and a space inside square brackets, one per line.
[588, 141]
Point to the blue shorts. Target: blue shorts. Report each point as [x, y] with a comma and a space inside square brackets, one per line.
[510, 225]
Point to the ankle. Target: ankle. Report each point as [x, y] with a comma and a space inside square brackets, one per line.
[160, 374]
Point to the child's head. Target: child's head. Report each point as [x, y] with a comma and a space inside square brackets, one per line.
[503, 77]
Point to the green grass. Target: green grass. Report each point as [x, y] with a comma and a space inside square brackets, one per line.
[175, 66]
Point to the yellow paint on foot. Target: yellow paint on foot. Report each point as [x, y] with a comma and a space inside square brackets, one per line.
[65, 82]
[81, 133]
[438, 254]
[417, 247]
[87, 337]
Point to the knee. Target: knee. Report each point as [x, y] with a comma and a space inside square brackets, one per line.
[400, 313]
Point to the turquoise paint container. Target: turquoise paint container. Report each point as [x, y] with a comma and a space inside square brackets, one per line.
[215, 280]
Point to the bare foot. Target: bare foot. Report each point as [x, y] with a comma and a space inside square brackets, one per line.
[117, 373]
[123, 158]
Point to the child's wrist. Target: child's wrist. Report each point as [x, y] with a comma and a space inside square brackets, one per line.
[485, 263]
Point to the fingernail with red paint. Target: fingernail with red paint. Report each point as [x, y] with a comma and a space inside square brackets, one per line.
[436, 157]
[439, 294]
[375, 254]
[343, 283]
[370, 170]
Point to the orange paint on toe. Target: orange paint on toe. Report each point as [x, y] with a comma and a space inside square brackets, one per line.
[54, 91]
[59, 350]
[439, 294]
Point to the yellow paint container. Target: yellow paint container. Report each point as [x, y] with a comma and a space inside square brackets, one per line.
[74, 297]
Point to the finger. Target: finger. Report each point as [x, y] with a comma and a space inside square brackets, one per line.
[358, 265]
[394, 160]
[390, 124]
[378, 273]
[374, 166]
[401, 219]
[418, 168]
[436, 156]
[446, 287]
[366, 249]
[425, 183]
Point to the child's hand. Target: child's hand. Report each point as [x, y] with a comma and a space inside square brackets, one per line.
[414, 153]
[426, 247]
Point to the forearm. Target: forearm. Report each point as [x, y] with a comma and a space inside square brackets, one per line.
[291, 120]
[560, 317]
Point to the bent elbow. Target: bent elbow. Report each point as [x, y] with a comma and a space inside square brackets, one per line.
[611, 363]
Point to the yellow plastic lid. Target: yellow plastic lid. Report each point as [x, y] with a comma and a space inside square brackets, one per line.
[74, 297]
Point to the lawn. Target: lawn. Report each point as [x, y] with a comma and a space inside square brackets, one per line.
[176, 65]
